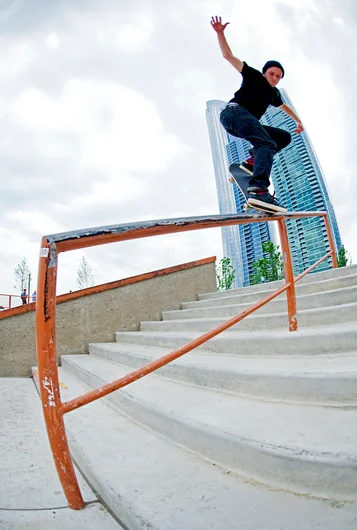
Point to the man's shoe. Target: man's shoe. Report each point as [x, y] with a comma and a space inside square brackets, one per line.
[248, 165]
[261, 199]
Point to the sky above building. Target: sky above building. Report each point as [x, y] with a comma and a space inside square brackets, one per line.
[102, 109]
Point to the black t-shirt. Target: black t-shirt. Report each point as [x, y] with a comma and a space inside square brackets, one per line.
[255, 93]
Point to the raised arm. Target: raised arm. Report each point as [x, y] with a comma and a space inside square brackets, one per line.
[216, 23]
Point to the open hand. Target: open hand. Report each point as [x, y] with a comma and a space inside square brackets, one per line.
[216, 23]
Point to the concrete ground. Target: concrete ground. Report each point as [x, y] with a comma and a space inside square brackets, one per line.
[31, 495]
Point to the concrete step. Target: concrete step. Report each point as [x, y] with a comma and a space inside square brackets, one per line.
[321, 379]
[311, 449]
[310, 279]
[306, 318]
[30, 491]
[268, 312]
[339, 338]
[345, 295]
[119, 458]
[301, 289]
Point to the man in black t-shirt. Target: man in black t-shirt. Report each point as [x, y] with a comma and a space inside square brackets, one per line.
[240, 118]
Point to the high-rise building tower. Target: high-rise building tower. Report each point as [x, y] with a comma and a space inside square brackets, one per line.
[300, 186]
[230, 234]
[242, 243]
[298, 182]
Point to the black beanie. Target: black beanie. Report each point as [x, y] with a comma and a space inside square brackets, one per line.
[270, 64]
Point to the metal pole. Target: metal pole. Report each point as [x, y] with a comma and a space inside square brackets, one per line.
[53, 408]
[48, 374]
[29, 289]
[330, 240]
[289, 275]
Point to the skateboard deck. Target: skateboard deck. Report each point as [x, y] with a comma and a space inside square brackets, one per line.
[241, 178]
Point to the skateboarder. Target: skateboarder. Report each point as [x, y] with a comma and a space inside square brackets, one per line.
[240, 118]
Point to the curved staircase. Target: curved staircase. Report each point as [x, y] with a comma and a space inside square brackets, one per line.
[254, 430]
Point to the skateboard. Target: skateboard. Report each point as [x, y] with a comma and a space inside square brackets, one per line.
[241, 178]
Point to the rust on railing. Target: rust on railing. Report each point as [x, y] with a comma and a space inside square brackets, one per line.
[52, 245]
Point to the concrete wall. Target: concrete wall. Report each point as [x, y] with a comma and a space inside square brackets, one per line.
[94, 315]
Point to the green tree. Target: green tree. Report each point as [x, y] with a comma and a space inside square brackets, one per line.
[22, 275]
[85, 276]
[343, 257]
[270, 267]
[225, 274]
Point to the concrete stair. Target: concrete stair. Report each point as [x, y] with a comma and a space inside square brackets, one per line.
[255, 429]
[338, 338]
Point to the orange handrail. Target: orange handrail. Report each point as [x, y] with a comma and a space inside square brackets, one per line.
[154, 365]
[52, 245]
[11, 296]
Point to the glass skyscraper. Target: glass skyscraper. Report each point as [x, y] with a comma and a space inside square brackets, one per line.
[230, 234]
[300, 186]
[298, 182]
[242, 243]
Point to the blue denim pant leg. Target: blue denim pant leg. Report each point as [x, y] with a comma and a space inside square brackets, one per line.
[238, 122]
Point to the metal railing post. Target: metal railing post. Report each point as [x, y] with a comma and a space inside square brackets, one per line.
[51, 246]
[289, 275]
[330, 240]
[48, 373]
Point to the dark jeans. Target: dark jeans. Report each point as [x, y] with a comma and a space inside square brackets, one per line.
[267, 141]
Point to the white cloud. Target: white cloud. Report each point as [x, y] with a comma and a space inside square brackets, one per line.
[32, 221]
[116, 127]
[133, 36]
[192, 90]
[17, 59]
[102, 117]
[52, 42]
[113, 192]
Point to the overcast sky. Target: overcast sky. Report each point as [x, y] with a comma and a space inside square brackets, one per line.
[102, 117]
